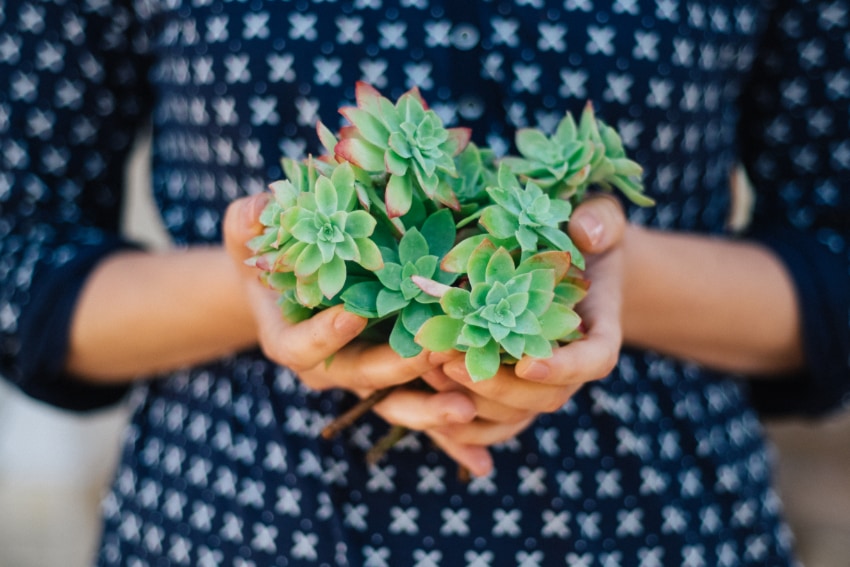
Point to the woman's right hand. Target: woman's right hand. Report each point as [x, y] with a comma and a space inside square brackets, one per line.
[324, 352]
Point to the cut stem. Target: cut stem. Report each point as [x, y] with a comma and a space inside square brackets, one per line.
[333, 429]
[385, 443]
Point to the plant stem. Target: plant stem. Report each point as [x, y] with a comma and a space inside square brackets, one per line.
[463, 222]
[349, 417]
[385, 443]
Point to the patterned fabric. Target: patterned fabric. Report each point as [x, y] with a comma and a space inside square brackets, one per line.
[662, 463]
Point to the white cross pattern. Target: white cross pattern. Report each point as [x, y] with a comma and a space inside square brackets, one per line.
[223, 463]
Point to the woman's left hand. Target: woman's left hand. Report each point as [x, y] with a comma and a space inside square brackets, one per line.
[510, 401]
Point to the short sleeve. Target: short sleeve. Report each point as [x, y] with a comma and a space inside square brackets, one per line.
[795, 144]
[72, 97]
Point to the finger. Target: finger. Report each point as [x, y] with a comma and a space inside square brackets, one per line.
[485, 408]
[493, 410]
[474, 458]
[590, 358]
[241, 223]
[481, 432]
[365, 366]
[437, 377]
[305, 345]
[594, 356]
[505, 389]
[597, 224]
[426, 410]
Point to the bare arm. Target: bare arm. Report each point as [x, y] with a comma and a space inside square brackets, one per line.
[721, 302]
[141, 313]
[727, 304]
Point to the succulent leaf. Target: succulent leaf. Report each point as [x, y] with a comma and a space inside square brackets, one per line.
[537, 347]
[399, 195]
[412, 247]
[558, 321]
[370, 256]
[332, 277]
[390, 276]
[439, 232]
[458, 257]
[361, 298]
[500, 267]
[390, 302]
[439, 333]
[415, 315]
[483, 362]
[456, 302]
[401, 340]
[360, 153]
[368, 126]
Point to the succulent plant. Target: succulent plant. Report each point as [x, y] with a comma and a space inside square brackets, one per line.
[508, 311]
[576, 157]
[314, 233]
[525, 216]
[394, 292]
[438, 242]
[560, 163]
[476, 169]
[407, 141]
[610, 167]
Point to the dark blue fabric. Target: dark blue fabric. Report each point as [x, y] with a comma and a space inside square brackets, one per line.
[823, 292]
[793, 133]
[661, 463]
[72, 101]
[45, 328]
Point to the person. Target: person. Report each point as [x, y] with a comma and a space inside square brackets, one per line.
[637, 445]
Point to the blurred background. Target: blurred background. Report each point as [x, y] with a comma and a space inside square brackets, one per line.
[55, 466]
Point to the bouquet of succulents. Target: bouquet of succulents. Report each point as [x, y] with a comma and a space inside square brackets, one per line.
[440, 243]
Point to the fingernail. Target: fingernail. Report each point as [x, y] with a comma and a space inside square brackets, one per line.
[436, 358]
[254, 206]
[483, 466]
[347, 322]
[456, 370]
[536, 370]
[591, 226]
[460, 415]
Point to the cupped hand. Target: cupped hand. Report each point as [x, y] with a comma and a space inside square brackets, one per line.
[323, 351]
[510, 401]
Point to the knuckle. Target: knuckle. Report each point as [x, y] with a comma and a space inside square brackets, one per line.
[510, 415]
[610, 361]
[282, 356]
[554, 403]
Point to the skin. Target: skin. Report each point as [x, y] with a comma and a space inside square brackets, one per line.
[723, 303]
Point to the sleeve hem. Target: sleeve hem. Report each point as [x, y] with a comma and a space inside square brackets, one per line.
[822, 289]
[45, 328]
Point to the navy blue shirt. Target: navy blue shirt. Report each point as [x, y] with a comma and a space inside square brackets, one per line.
[662, 463]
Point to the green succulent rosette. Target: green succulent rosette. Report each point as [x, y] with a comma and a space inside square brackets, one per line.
[405, 140]
[311, 235]
[506, 312]
[527, 218]
[576, 157]
[393, 292]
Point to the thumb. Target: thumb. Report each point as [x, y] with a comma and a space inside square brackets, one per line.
[597, 224]
[241, 223]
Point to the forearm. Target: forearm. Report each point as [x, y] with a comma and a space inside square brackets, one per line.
[723, 303]
[142, 313]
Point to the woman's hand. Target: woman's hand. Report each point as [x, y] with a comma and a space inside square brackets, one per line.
[510, 401]
[324, 354]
